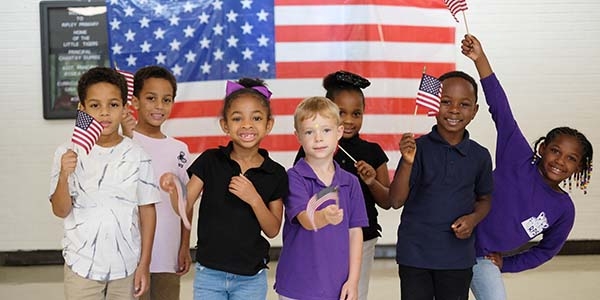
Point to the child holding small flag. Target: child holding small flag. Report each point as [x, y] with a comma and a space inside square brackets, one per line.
[529, 201]
[321, 261]
[106, 196]
[444, 182]
[358, 156]
[154, 91]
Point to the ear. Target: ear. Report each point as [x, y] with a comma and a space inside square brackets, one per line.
[135, 102]
[476, 110]
[224, 126]
[340, 132]
[270, 124]
[541, 149]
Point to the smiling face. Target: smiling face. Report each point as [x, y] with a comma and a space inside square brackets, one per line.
[352, 109]
[560, 158]
[246, 121]
[457, 109]
[154, 104]
[103, 102]
[319, 136]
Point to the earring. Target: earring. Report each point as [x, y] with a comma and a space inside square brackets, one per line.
[534, 159]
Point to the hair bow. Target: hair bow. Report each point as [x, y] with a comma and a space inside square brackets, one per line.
[233, 86]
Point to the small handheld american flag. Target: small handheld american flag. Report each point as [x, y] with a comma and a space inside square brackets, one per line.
[456, 6]
[328, 193]
[429, 94]
[87, 131]
[129, 78]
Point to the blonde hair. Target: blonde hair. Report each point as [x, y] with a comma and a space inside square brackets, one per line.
[312, 106]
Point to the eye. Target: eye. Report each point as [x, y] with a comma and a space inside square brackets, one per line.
[93, 105]
[342, 114]
[445, 102]
[465, 104]
[150, 98]
[573, 158]
[257, 118]
[357, 114]
[115, 104]
[167, 100]
[308, 132]
[236, 119]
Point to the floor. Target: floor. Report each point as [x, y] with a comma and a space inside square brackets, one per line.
[565, 277]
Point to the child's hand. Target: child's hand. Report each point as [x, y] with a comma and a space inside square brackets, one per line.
[128, 124]
[463, 226]
[167, 182]
[184, 261]
[408, 147]
[349, 291]
[68, 162]
[141, 280]
[244, 189]
[495, 258]
[365, 171]
[333, 214]
[471, 47]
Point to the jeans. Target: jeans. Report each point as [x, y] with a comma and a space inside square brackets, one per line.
[487, 281]
[212, 284]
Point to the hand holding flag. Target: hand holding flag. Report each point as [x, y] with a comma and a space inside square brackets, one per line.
[328, 193]
[87, 131]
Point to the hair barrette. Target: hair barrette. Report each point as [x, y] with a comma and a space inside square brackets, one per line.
[233, 86]
[352, 79]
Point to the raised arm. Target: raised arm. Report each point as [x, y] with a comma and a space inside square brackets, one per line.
[399, 187]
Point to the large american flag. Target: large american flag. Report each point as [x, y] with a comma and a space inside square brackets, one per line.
[292, 44]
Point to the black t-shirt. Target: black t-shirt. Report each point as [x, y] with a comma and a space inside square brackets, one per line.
[372, 154]
[229, 235]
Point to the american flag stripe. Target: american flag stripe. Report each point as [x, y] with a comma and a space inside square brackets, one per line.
[129, 79]
[456, 6]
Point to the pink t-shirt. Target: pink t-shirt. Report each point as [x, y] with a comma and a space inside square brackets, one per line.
[168, 155]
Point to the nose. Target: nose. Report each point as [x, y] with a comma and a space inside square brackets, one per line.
[318, 136]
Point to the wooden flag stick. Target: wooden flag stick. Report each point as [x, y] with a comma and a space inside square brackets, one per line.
[416, 105]
[465, 18]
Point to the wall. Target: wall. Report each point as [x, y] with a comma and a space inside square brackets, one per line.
[544, 52]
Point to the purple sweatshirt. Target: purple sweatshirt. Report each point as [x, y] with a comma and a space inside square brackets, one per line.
[523, 206]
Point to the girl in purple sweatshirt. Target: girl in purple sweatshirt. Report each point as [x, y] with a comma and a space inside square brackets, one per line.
[529, 201]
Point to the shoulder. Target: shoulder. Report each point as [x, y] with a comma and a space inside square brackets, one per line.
[479, 149]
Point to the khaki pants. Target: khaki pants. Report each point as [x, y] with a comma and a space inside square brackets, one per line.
[79, 288]
[163, 286]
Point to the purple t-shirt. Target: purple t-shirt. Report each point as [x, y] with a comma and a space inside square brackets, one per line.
[315, 265]
[523, 206]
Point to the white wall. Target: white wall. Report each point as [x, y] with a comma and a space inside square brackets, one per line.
[546, 54]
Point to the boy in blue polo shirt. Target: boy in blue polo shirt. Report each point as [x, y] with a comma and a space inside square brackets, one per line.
[444, 182]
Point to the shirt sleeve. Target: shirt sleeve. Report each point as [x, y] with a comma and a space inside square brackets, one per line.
[282, 189]
[485, 182]
[511, 146]
[298, 195]
[552, 241]
[379, 156]
[182, 174]
[55, 169]
[147, 187]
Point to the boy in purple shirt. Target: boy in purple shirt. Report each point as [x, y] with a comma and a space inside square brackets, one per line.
[528, 201]
[321, 257]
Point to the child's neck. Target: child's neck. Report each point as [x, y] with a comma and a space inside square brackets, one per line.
[246, 158]
[323, 168]
[150, 131]
[109, 141]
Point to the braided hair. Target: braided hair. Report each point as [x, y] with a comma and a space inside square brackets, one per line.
[582, 177]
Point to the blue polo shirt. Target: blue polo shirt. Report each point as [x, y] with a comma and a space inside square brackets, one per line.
[444, 184]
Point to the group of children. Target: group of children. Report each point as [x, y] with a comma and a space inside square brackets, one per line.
[123, 239]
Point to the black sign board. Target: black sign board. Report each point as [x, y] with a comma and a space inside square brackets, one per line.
[74, 39]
